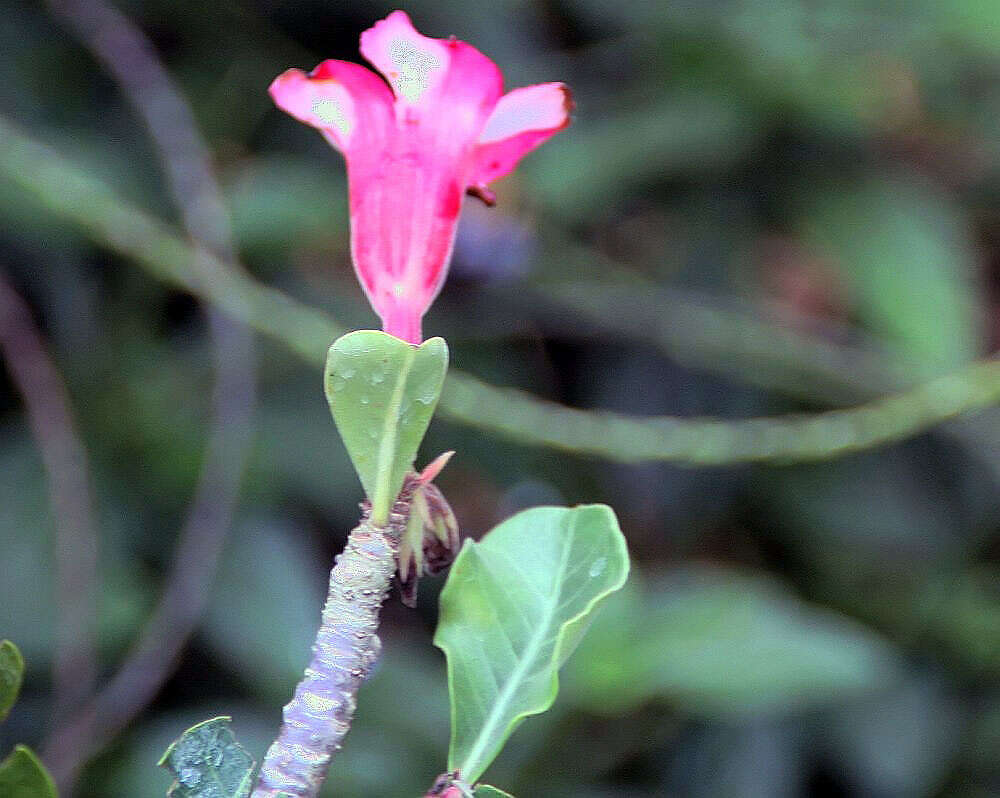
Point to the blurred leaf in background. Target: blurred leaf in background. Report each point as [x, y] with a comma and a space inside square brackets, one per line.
[722, 644]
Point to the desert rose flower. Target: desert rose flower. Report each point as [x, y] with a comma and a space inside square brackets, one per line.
[438, 126]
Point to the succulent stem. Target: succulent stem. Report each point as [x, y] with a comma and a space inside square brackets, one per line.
[319, 715]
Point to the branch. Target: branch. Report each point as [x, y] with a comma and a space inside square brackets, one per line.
[319, 715]
[700, 332]
[510, 413]
[123, 50]
[47, 402]
[713, 442]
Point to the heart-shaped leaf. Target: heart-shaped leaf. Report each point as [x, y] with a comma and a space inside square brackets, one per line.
[513, 608]
[11, 674]
[22, 775]
[382, 393]
[208, 763]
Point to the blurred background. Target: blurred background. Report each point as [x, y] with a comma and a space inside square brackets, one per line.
[762, 207]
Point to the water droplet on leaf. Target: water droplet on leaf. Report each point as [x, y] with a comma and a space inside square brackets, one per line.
[598, 566]
[189, 777]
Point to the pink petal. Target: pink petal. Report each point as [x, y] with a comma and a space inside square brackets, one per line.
[522, 119]
[433, 76]
[339, 98]
[414, 64]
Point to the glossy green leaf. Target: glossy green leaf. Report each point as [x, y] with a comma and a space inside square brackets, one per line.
[721, 643]
[382, 393]
[22, 775]
[514, 607]
[11, 674]
[207, 762]
[486, 791]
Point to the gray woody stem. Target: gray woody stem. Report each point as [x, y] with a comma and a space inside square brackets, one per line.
[319, 715]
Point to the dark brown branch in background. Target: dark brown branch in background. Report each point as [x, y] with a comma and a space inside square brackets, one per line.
[47, 402]
[126, 54]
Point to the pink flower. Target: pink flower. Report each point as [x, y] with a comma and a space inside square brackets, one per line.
[441, 127]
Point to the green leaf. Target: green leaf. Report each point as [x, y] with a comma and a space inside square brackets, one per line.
[719, 643]
[11, 674]
[382, 393]
[207, 762]
[514, 607]
[486, 791]
[22, 775]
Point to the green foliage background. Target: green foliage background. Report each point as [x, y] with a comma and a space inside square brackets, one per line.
[762, 207]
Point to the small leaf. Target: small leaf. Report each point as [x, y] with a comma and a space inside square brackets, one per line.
[382, 393]
[22, 775]
[513, 608]
[11, 674]
[486, 791]
[208, 763]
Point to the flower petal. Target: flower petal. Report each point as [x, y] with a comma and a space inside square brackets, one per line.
[522, 119]
[337, 97]
[405, 205]
[426, 72]
[414, 64]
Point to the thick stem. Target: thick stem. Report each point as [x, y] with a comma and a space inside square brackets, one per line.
[319, 715]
